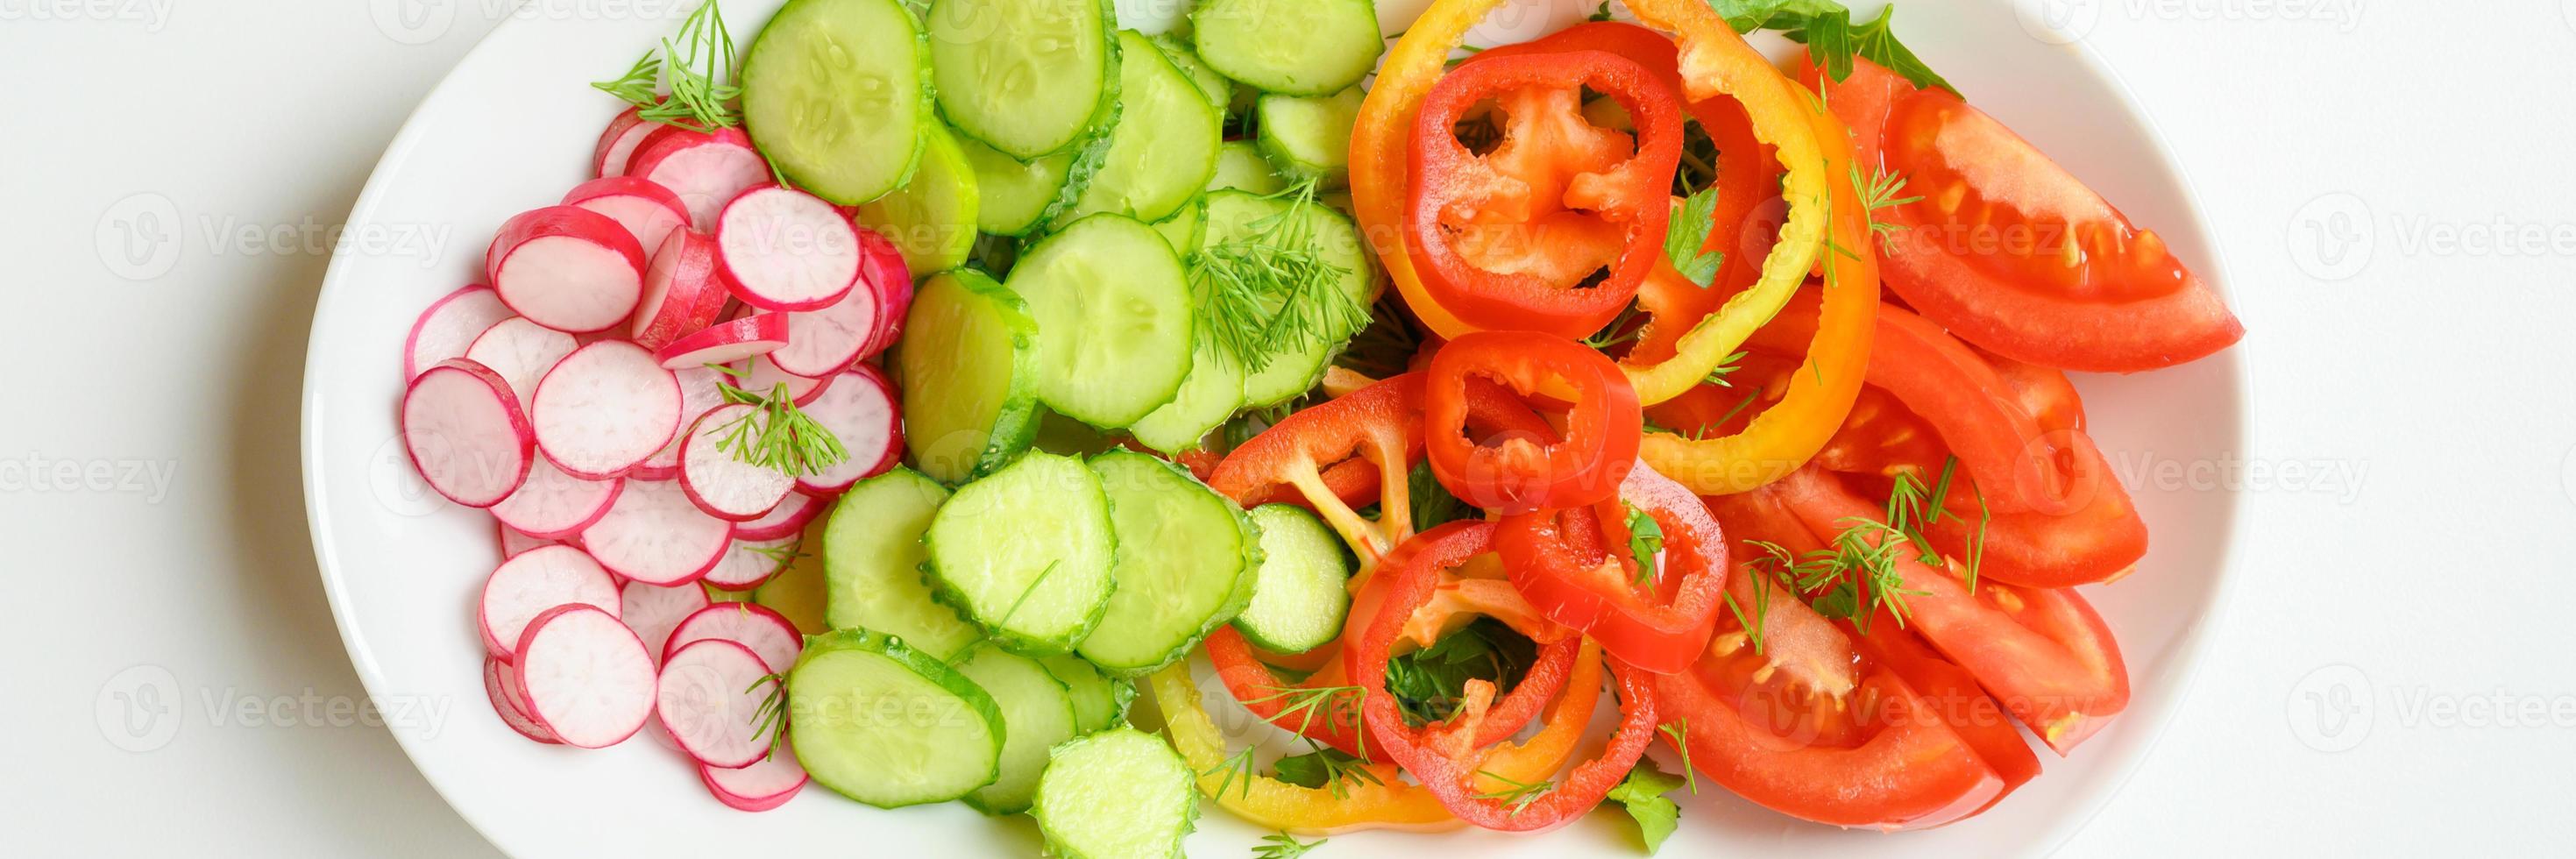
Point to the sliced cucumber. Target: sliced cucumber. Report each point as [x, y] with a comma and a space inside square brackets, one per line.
[1241, 216]
[1162, 149]
[1300, 590]
[968, 370]
[1062, 435]
[1298, 47]
[1240, 165]
[1219, 90]
[887, 725]
[837, 94]
[932, 218]
[1211, 394]
[1026, 553]
[872, 557]
[1183, 228]
[1029, 77]
[1011, 194]
[1117, 794]
[1099, 703]
[1113, 313]
[1309, 137]
[1037, 713]
[1182, 566]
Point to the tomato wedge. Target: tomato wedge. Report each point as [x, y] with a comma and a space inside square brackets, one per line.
[1659, 619]
[1517, 474]
[2011, 252]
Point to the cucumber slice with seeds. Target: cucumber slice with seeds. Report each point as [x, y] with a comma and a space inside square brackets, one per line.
[1219, 90]
[1118, 794]
[931, 219]
[967, 368]
[1163, 147]
[1010, 194]
[1300, 593]
[1309, 137]
[1212, 393]
[1027, 553]
[887, 725]
[1029, 77]
[872, 558]
[1182, 564]
[1240, 165]
[1240, 216]
[1099, 703]
[837, 94]
[1298, 47]
[1037, 713]
[1112, 306]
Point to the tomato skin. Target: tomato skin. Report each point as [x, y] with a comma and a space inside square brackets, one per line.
[1967, 709]
[1968, 257]
[1521, 473]
[1558, 561]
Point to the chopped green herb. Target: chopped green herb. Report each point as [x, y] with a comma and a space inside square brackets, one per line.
[1642, 794]
[699, 67]
[1645, 540]
[1688, 232]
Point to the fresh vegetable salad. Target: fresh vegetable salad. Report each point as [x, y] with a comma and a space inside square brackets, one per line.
[918, 395]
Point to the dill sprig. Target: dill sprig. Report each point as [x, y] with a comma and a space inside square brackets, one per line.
[1273, 291]
[1325, 767]
[1679, 731]
[1879, 191]
[1725, 367]
[1339, 705]
[775, 434]
[770, 718]
[1284, 846]
[1236, 766]
[1517, 793]
[698, 66]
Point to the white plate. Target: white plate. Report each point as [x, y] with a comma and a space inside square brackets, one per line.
[512, 127]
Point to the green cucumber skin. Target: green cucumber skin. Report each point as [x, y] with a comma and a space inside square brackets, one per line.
[990, 218]
[854, 513]
[1188, 793]
[1249, 626]
[1218, 89]
[981, 799]
[1080, 205]
[1238, 592]
[1291, 375]
[1016, 426]
[951, 243]
[1103, 114]
[926, 111]
[1077, 675]
[1241, 166]
[1032, 264]
[1304, 80]
[1017, 642]
[928, 667]
[1275, 143]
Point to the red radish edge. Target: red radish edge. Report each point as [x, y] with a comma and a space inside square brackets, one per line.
[617, 143]
[653, 611]
[761, 375]
[448, 327]
[891, 280]
[525, 586]
[649, 212]
[707, 695]
[654, 534]
[707, 169]
[585, 676]
[861, 410]
[552, 505]
[746, 565]
[681, 291]
[718, 481]
[762, 786]
[500, 683]
[783, 249]
[567, 268]
[515, 542]
[700, 391]
[604, 409]
[727, 342]
[520, 352]
[789, 517]
[769, 634]
[465, 434]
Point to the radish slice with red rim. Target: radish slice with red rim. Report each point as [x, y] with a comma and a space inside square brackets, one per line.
[786, 519]
[605, 408]
[727, 342]
[501, 684]
[521, 352]
[585, 676]
[706, 169]
[526, 586]
[449, 327]
[551, 505]
[515, 542]
[649, 212]
[749, 563]
[761, 376]
[827, 341]
[653, 611]
[714, 474]
[860, 410]
[891, 280]
[766, 784]
[567, 268]
[784, 249]
[654, 534]
[681, 291]
[617, 143]
[752, 625]
[709, 697]
[699, 393]
[465, 434]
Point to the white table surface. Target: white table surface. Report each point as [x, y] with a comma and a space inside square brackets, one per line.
[2393, 679]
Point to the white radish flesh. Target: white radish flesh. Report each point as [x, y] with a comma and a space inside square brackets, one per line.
[761, 375]
[501, 684]
[567, 268]
[891, 280]
[521, 351]
[764, 785]
[826, 341]
[465, 433]
[653, 611]
[515, 542]
[524, 587]
[709, 698]
[752, 625]
[788, 518]
[699, 393]
[784, 249]
[605, 408]
[859, 409]
[656, 535]
[681, 291]
[617, 143]
[749, 563]
[649, 212]
[727, 342]
[585, 676]
[714, 474]
[707, 170]
[449, 326]
[552, 505]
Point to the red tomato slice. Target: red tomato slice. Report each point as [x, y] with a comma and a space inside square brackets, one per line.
[2011, 252]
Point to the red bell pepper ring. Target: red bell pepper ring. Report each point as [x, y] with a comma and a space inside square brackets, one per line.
[1658, 623]
[1505, 238]
[1447, 757]
[1517, 473]
[1334, 719]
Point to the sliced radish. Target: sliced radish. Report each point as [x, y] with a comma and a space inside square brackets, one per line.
[515, 542]
[568, 268]
[891, 280]
[551, 505]
[501, 684]
[681, 291]
[718, 480]
[521, 351]
[655, 535]
[699, 392]
[710, 698]
[617, 143]
[788, 518]
[585, 676]
[827, 341]
[653, 611]
[761, 376]
[766, 784]
[749, 563]
[727, 342]
[784, 249]
[605, 408]
[649, 212]
[465, 433]
[449, 326]
[859, 409]
[752, 625]
[526, 586]
[706, 169]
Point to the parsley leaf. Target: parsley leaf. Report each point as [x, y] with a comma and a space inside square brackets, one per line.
[1642, 794]
[1433, 506]
[1645, 538]
[1600, 13]
[1428, 683]
[1826, 28]
[1687, 232]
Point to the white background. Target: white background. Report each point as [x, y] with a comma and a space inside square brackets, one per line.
[2388, 181]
